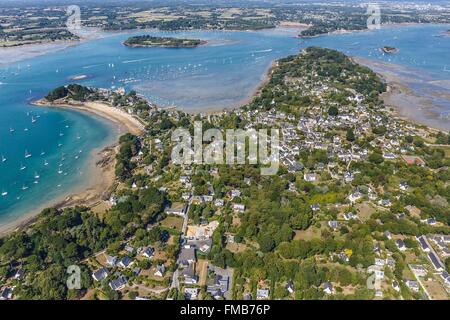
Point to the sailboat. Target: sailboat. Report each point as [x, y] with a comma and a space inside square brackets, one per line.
[22, 167]
[4, 193]
[3, 159]
[45, 163]
[42, 152]
[33, 120]
[36, 175]
[61, 134]
[27, 155]
[24, 187]
[11, 129]
[60, 171]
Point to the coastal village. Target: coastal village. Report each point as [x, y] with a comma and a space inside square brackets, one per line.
[358, 210]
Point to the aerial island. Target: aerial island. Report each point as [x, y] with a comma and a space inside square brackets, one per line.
[147, 41]
[389, 49]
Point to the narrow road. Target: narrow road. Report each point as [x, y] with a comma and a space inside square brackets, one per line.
[175, 283]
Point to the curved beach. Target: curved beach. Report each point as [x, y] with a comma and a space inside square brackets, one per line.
[101, 167]
[124, 121]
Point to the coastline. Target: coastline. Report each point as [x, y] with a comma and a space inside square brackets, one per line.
[101, 165]
[101, 109]
[408, 105]
[19, 53]
[15, 54]
[102, 179]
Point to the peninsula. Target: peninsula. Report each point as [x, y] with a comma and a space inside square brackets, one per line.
[348, 200]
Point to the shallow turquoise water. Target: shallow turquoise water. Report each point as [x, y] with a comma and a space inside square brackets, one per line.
[221, 74]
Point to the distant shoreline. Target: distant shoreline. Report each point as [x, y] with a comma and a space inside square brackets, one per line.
[408, 105]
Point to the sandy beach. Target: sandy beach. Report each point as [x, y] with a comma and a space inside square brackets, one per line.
[19, 53]
[125, 122]
[101, 167]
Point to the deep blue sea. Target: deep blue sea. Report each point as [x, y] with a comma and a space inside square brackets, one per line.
[221, 74]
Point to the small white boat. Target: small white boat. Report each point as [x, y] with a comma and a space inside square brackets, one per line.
[11, 130]
[22, 167]
[42, 153]
[4, 193]
[36, 175]
[33, 120]
[26, 129]
[61, 134]
[59, 145]
[24, 187]
[60, 171]
[27, 154]
[45, 163]
[3, 159]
